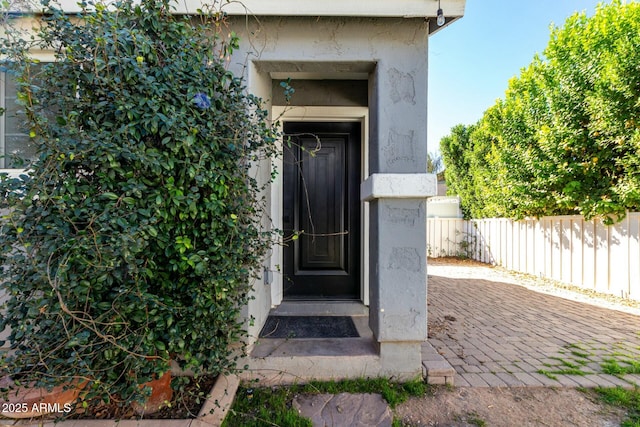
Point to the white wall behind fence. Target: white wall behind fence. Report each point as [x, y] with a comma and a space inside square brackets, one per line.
[583, 253]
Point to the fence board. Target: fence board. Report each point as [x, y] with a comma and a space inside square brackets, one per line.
[589, 256]
[577, 252]
[547, 229]
[634, 256]
[565, 250]
[602, 257]
[619, 254]
[539, 254]
[523, 232]
[556, 250]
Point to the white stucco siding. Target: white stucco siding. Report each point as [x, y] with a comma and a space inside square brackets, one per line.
[370, 8]
[259, 306]
[309, 40]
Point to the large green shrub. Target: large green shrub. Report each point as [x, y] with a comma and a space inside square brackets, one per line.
[136, 235]
[566, 137]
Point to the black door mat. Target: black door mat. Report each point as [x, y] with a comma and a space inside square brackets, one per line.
[309, 327]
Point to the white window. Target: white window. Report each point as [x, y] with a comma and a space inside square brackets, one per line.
[14, 137]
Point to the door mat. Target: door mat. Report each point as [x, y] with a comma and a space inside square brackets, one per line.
[309, 327]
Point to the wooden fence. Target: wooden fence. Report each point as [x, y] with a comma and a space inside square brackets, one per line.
[583, 253]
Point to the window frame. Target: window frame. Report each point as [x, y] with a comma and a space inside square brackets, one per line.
[4, 128]
[42, 57]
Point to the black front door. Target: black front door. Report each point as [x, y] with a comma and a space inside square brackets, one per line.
[321, 202]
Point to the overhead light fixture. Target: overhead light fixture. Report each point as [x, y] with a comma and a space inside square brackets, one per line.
[440, 16]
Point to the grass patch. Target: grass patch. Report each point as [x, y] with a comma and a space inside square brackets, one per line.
[269, 406]
[623, 398]
[561, 371]
[621, 354]
[393, 392]
[471, 418]
[547, 374]
[572, 371]
[564, 368]
[582, 362]
[576, 346]
[569, 371]
[264, 407]
[571, 365]
[580, 354]
[475, 420]
[620, 367]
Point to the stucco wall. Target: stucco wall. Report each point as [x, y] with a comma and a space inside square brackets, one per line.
[392, 51]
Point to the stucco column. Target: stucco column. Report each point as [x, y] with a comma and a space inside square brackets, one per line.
[398, 273]
[396, 191]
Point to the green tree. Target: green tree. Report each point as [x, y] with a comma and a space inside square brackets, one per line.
[455, 148]
[591, 136]
[566, 137]
[486, 168]
[434, 163]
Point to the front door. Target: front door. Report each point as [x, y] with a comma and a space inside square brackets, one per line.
[321, 205]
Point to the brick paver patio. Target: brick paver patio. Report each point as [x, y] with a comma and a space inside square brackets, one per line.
[496, 333]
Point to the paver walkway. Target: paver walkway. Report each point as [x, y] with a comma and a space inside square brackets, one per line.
[496, 333]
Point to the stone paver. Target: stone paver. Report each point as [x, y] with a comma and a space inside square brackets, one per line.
[528, 379]
[345, 409]
[474, 380]
[493, 380]
[494, 332]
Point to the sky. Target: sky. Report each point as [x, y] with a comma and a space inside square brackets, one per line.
[472, 60]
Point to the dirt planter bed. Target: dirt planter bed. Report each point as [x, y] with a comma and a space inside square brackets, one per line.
[221, 398]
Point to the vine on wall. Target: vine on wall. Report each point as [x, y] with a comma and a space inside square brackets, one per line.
[135, 236]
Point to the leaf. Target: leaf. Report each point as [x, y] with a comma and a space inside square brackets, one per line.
[104, 306]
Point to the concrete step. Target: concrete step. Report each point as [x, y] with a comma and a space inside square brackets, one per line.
[290, 360]
[291, 369]
[320, 308]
